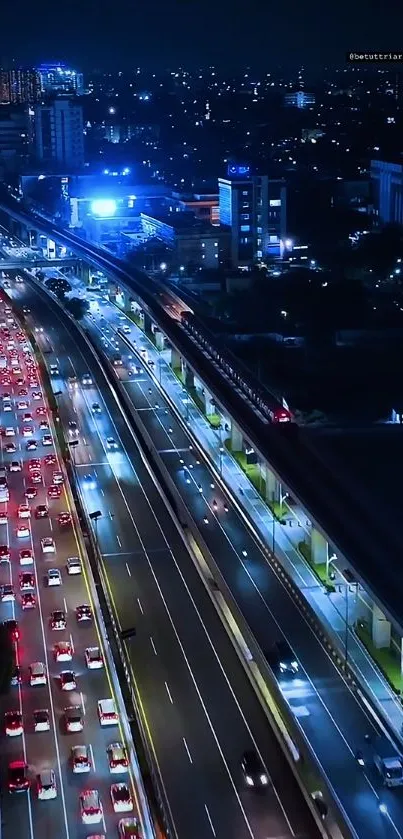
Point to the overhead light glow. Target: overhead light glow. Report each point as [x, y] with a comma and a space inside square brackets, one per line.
[104, 207]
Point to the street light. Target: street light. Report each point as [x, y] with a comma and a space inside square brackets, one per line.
[94, 517]
[329, 560]
[73, 445]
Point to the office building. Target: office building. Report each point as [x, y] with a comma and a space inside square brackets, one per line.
[19, 86]
[59, 137]
[194, 244]
[299, 99]
[15, 135]
[57, 78]
[254, 208]
[387, 191]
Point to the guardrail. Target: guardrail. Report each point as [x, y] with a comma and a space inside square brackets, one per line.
[260, 675]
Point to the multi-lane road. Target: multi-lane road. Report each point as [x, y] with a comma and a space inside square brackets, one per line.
[200, 710]
[323, 704]
[24, 813]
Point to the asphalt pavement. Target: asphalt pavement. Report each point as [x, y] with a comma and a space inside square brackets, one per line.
[23, 813]
[200, 710]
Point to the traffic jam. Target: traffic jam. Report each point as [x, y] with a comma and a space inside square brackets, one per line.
[63, 747]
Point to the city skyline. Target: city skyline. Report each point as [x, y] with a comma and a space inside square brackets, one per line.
[177, 31]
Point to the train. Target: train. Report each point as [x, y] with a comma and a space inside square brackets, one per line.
[273, 409]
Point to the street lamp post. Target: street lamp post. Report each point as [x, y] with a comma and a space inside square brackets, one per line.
[73, 445]
[329, 560]
[95, 516]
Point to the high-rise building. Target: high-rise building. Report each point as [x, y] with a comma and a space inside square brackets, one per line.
[19, 86]
[59, 137]
[254, 207]
[15, 136]
[57, 78]
[299, 99]
[387, 187]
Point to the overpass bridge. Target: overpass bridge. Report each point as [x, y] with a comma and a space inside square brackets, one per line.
[39, 262]
[337, 518]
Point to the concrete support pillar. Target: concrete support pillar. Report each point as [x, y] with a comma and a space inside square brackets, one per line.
[209, 404]
[159, 340]
[319, 547]
[236, 438]
[273, 487]
[381, 629]
[85, 272]
[175, 359]
[33, 238]
[188, 376]
[146, 323]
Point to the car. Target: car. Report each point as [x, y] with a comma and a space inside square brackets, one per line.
[27, 581]
[253, 770]
[4, 553]
[89, 482]
[96, 408]
[122, 801]
[46, 785]
[86, 379]
[27, 430]
[11, 626]
[7, 407]
[9, 431]
[17, 776]
[23, 391]
[54, 370]
[22, 531]
[15, 466]
[54, 491]
[64, 519]
[16, 676]
[41, 720]
[54, 577]
[74, 719]
[282, 659]
[73, 565]
[39, 329]
[58, 619]
[34, 464]
[36, 394]
[24, 511]
[48, 545]
[58, 477]
[26, 557]
[73, 429]
[107, 712]
[13, 723]
[41, 411]
[93, 658]
[3, 517]
[44, 425]
[117, 758]
[90, 807]
[68, 680]
[7, 594]
[320, 804]
[80, 759]
[30, 492]
[36, 476]
[47, 440]
[27, 417]
[41, 511]
[31, 446]
[11, 448]
[83, 613]
[37, 674]
[111, 444]
[28, 601]
[129, 828]
[50, 459]
[33, 381]
[63, 651]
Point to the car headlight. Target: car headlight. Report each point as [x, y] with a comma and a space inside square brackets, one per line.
[249, 781]
[263, 780]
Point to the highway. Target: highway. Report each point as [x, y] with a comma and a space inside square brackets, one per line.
[200, 710]
[326, 709]
[24, 813]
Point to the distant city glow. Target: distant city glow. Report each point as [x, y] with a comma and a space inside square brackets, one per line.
[104, 207]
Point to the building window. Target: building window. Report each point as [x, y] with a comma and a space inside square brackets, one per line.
[259, 230]
[203, 245]
[245, 205]
[245, 216]
[245, 228]
[216, 244]
[245, 192]
[259, 254]
[275, 202]
[259, 242]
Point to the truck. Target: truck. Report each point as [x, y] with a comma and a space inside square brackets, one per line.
[390, 766]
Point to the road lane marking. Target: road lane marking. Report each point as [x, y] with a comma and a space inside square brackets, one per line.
[209, 820]
[153, 646]
[169, 693]
[118, 541]
[128, 570]
[140, 606]
[187, 750]
[65, 605]
[92, 757]
[82, 702]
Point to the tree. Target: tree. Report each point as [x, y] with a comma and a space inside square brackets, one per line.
[6, 660]
[77, 307]
[58, 286]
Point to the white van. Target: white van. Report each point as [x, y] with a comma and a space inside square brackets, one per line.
[107, 712]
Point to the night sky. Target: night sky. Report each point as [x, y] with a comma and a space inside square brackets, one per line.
[122, 34]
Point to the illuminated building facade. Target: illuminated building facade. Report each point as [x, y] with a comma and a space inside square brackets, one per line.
[299, 99]
[59, 136]
[57, 78]
[387, 186]
[254, 208]
[19, 86]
